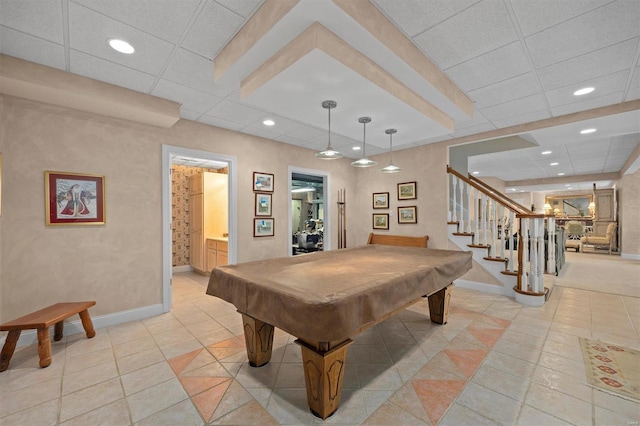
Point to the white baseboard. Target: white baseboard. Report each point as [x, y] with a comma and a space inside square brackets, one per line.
[184, 268]
[630, 256]
[485, 288]
[29, 337]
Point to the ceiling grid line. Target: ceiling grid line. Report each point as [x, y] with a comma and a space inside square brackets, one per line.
[632, 70]
[65, 35]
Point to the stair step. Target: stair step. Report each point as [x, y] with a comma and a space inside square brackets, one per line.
[478, 245]
[515, 274]
[463, 234]
[453, 223]
[496, 259]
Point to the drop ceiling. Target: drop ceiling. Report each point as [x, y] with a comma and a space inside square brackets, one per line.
[517, 61]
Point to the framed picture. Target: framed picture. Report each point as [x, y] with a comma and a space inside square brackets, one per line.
[74, 198]
[263, 227]
[408, 214]
[0, 183]
[407, 191]
[380, 200]
[263, 204]
[262, 182]
[381, 221]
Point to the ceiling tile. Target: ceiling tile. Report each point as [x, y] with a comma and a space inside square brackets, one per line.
[501, 64]
[164, 19]
[308, 134]
[608, 25]
[244, 8]
[534, 16]
[99, 69]
[604, 85]
[194, 71]
[504, 91]
[219, 122]
[611, 99]
[90, 31]
[189, 115]
[30, 48]
[634, 88]
[259, 131]
[282, 126]
[39, 18]
[472, 130]
[601, 62]
[238, 113]
[212, 30]
[522, 118]
[479, 29]
[475, 120]
[192, 100]
[415, 16]
[514, 108]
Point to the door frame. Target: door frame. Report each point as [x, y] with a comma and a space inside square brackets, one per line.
[326, 176]
[168, 153]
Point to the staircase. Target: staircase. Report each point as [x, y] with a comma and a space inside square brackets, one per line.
[484, 221]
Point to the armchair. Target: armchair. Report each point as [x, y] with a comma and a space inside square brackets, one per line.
[605, 240]
[575, 232]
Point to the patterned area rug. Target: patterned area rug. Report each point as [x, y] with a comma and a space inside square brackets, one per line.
[612, 368]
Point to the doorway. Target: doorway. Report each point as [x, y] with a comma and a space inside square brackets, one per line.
[309, 218]
[172, 155]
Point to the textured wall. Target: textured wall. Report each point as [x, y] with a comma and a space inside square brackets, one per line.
[119, 264]
[629, 210]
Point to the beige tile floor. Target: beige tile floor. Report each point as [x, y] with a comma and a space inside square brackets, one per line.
[531, 373]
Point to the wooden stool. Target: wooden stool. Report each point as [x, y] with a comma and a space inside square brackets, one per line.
[42, 320]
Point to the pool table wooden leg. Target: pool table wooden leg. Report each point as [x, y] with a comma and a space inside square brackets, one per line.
[258, 336]
[323, 376]
[439, 305]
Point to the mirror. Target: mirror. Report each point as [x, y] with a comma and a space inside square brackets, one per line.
[574, 206]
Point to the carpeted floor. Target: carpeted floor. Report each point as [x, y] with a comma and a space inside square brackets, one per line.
[612, 368]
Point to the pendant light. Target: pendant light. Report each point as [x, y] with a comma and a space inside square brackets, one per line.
[390, 168]
[364, 161]
[329, 153]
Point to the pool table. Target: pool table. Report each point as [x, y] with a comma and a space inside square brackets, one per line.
[326, 298]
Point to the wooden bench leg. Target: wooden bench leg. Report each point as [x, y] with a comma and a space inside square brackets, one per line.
[44, 347]
[258, 335]
[58, 330]
[439, 305]
[87, 324]
[8, 348]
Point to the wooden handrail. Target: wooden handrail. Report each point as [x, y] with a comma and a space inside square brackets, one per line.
[508, 203]
[500, 194]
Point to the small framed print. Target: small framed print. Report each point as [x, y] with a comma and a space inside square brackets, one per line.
[380, 200]
[381, 221]
[408, 214]
[407, 191]
[74, 198]
[263, 204]
[263, 227]
[262, 182]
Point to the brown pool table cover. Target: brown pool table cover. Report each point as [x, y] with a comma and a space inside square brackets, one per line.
[328, 296]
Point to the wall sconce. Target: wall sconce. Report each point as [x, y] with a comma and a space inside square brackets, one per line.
[547, 208]
[329, 153]
[592, 208]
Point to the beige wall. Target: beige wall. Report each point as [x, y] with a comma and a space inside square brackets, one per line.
[629, 214]
[43, 264]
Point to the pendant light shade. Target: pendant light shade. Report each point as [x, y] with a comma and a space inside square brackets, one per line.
[329, 153]
[364, 161]
[390, 168]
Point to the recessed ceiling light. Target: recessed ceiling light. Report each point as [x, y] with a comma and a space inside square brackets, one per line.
[569, 188]
[121, 46]
[268, 122]
[583, 91]
[587, 131]
[475, 173]
[567, 185]
[553, 164]
[546, 152]
[356, 148]
[561, 174]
